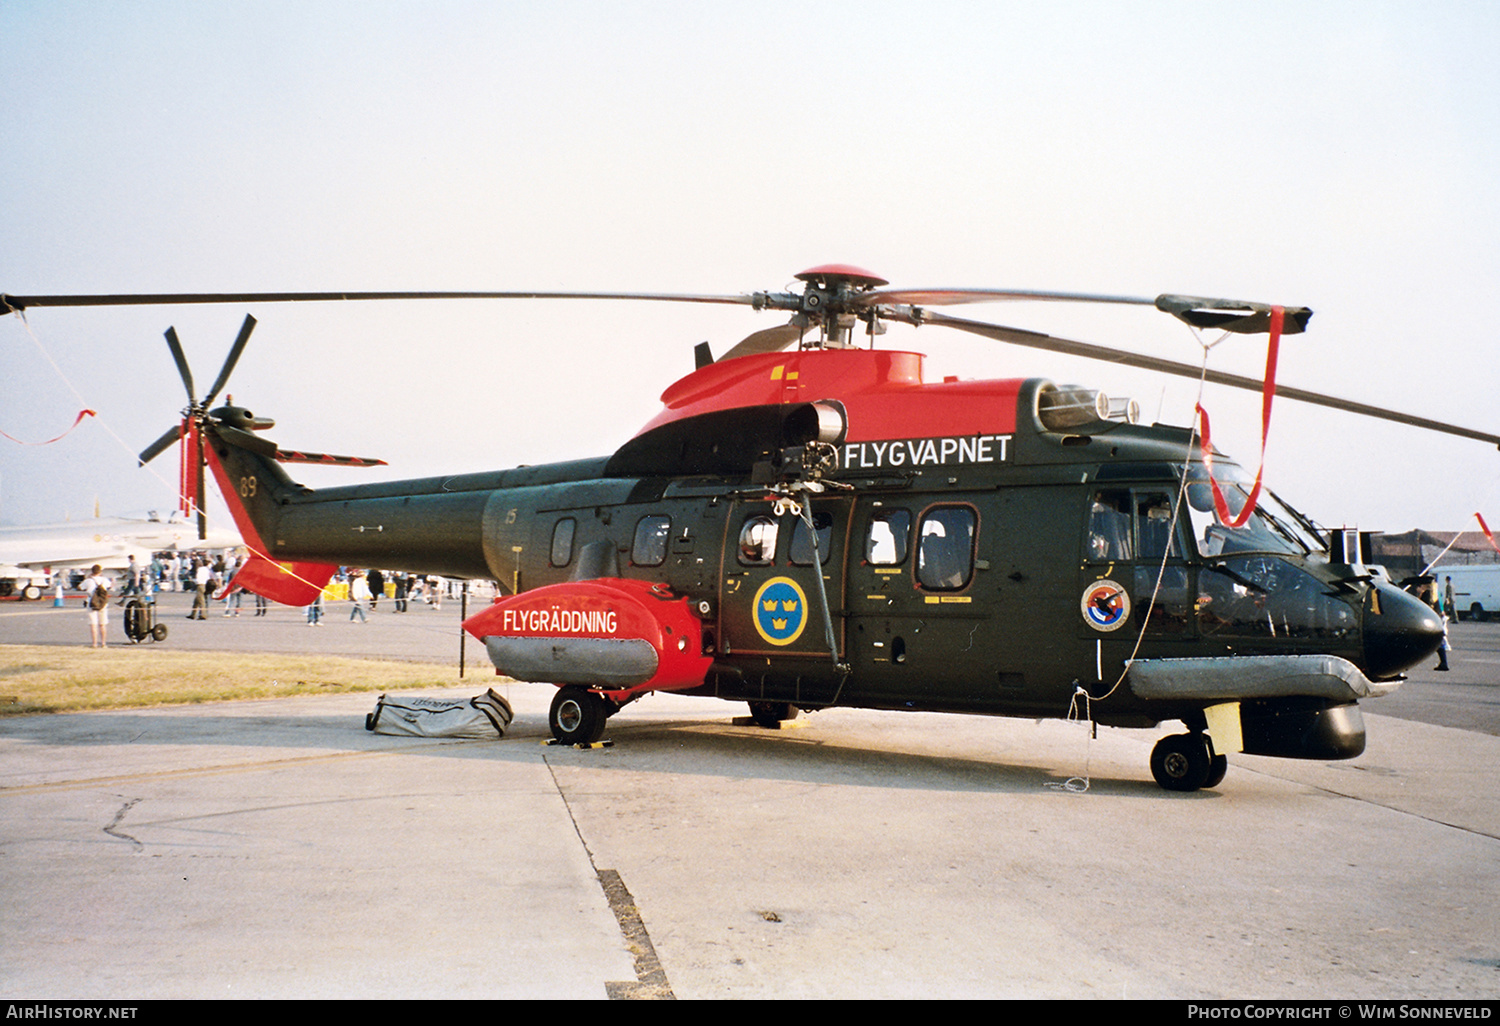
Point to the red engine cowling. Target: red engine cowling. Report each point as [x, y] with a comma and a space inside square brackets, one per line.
[620, 636]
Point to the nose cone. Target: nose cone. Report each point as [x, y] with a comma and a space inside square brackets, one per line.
[1400, 631]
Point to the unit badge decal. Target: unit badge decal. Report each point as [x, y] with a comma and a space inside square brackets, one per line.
[780, 611]
[1105, 605]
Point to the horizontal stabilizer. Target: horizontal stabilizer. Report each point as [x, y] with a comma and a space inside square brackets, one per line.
[294, 456]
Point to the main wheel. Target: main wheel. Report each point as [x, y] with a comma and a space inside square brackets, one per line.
[577, 716]
[771, 714]
[1216, 770]
[1181, 762]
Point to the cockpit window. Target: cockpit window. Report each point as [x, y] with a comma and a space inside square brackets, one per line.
[1265, 596]
[1126, 525]
[1273, 527]
[1110, 538]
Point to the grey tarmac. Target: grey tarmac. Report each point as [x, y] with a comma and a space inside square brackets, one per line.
[276, 849]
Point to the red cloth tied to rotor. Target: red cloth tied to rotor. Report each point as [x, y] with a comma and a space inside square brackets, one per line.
[76, 421]
[1268, 393]
[1486, 529]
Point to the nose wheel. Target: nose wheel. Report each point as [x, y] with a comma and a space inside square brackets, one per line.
[578, 716]
[1186, 762]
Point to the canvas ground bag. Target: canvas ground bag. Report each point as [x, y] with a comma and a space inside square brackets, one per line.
[482, 716]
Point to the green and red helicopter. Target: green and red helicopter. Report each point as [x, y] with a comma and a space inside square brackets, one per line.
[809, 522]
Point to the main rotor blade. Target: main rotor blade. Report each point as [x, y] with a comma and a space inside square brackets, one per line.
[767, 340]
[1038, 340]
[232, 359]
[182, 364]
[1235, 315]
[11, 304]
[163, 443]
[956, 297]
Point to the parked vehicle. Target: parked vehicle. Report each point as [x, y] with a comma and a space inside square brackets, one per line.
[1476, 589]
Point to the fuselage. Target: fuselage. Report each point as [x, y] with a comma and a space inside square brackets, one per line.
[970, 546]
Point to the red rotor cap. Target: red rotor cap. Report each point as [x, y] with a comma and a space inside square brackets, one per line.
[834, 273]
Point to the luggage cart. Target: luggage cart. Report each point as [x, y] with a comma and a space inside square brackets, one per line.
[140, 621]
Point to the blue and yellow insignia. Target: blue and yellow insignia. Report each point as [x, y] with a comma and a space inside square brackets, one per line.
[780, 611]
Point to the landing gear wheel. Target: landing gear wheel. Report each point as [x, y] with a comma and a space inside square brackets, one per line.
[771, 714]
[1182, 762]
[1216, 770]
[159, 632]
[577, 716]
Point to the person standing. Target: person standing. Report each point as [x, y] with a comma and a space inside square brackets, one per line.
[96, 594]
[203, 578]
[233, 599]
[1433, 597]
[377, 588]
[359, 594]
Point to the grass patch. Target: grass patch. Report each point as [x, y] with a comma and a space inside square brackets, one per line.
[49, 679]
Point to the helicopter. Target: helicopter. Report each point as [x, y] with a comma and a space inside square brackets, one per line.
[810, 523]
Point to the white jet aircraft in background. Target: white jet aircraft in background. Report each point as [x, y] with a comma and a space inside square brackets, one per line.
[27, 554]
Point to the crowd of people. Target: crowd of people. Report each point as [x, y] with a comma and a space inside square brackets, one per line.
[365, 589]
[205, 575]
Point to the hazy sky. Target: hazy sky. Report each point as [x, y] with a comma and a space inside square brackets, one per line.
[1337, 155]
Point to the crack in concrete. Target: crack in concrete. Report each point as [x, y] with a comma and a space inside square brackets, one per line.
[111, 831]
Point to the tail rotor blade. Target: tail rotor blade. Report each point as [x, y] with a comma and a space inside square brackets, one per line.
[159, 446]
[233, 358]
[182, 364]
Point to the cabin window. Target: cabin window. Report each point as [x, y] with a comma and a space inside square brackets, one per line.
[945, 548]
[758, 541]
[562, 541]
[650, 547]
[801, 553]
[889, 537]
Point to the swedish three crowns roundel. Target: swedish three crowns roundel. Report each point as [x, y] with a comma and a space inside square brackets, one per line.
[780, 611]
